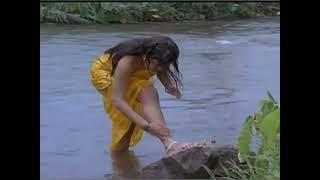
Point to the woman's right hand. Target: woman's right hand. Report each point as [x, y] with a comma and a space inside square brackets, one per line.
[158, 130]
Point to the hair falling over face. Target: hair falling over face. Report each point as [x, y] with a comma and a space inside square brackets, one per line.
[161, 48]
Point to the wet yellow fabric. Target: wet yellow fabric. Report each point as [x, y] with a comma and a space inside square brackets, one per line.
[102, 80]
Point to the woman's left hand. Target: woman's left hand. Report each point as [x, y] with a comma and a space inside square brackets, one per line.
[174, 91]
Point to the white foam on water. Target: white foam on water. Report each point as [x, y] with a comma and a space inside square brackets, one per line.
[224, 42]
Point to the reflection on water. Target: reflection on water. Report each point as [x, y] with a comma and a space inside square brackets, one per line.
[125, 165]
[228, 66]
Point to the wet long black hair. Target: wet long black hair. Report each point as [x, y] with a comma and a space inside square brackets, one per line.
[162, 48]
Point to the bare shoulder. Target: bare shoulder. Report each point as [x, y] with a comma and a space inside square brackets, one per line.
[128, 63]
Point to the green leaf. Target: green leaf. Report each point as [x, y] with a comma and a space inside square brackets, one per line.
[262, 104]
[271, 98]
[270, 126]
[107, 7]
[244, 139]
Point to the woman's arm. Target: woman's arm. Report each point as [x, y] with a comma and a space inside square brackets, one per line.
[121, 79]
[121, 75]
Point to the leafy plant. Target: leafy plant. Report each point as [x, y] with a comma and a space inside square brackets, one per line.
[265, 164]
[267, 125]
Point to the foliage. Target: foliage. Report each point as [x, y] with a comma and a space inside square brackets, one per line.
[265, 164]
[133, 12]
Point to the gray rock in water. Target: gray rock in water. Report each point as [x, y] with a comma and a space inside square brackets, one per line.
[189, 163]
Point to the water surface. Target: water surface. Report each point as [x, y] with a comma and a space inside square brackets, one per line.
[228, 66]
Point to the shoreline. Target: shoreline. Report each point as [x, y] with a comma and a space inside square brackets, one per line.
[153, 12]
[164, 23]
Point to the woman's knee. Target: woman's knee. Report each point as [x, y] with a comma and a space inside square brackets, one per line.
[148, 94]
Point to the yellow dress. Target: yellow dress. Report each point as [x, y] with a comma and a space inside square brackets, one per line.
[102, 80]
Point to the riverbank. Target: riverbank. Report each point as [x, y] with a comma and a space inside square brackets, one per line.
[134, 12]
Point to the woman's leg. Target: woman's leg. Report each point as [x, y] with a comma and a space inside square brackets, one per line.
[149, 99]
[123, 144]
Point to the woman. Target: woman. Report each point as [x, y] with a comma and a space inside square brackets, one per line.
[122, 76]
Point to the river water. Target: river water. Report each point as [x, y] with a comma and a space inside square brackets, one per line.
[228, 66]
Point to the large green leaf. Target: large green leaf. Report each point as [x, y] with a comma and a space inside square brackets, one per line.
[244, 139]
[270, 126]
